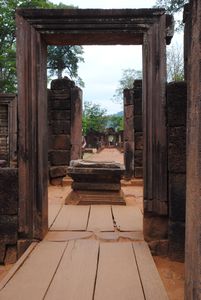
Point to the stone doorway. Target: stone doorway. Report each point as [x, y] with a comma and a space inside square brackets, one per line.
[38, 28]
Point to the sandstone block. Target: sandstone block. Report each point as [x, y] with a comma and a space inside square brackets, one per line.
[11, 255]
[60, 142]
[8, 229]
[62, 84]
[60, 127]
[176, 241]
[60, 115]
[128, 97]
[137, 106]
[138, 172]
[59, 157]
[59, 171]
[138, 123]
[177, 197]
[8, 191]
[59, 104]
[138, 158]
[177, 149]
[177, 103]
[138, 140]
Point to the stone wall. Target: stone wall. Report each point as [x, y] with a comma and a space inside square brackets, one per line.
[128, 133]
[133, 133]
[8, 215]
[8, 129]
[65, 126]
[138, 131]
[176, 120]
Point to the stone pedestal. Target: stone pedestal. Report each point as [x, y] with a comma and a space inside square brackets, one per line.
[95, 182]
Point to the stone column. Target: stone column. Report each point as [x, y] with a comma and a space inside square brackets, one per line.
[193, 151]
[155, 133]
[138, 131]
[65, 127]
[128, 133]
[176, 119]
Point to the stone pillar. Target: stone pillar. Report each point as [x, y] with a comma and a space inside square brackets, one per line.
[138, 131]
[176, 117]
[155, 133]
[65, 127]
[193, 151]
[128, 133]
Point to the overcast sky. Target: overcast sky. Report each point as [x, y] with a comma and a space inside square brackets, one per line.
[103, 65]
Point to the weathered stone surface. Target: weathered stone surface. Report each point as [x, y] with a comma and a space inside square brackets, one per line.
[128, 112]
[22, 246]
[8, 229]
[155, 227]
[177, 103]
[159, 247]
[56, 181]
[97, 186]
[8, 191]
[138, 172]
[96, 197]
[138, 140]
[62, 84]
[138, 123]
[128, 97]
[11, 255]
[177, 149]
[129, 159]
[2, 251]
[60, 115]
[60, 142]
[79, 163]
[59, 157]
[176, 241]
[59, 171]
[60, 127]
[137, 106]
[177, 197]
[193, 198]
[59, 104]
[93, 180]
[138, 155]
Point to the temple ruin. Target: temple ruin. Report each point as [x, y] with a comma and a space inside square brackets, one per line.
[170, 127]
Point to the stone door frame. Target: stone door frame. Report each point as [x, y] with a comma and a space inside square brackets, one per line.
[38, 28]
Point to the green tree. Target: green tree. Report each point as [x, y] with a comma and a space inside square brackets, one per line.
[65, 58]
[116, 122]
[8, 82]
[93, 117]
[173, 7]
[175, 63]
[126, 82]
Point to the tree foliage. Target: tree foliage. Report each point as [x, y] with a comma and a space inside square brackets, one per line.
[175, 63]
[116, 122]
[93, 117]
[65, 58]
[8, 81]
[172, 6]
[126, 82]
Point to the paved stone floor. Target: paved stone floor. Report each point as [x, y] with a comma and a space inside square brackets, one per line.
[108, 154]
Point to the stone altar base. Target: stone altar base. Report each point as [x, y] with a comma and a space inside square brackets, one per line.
[95, 183]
